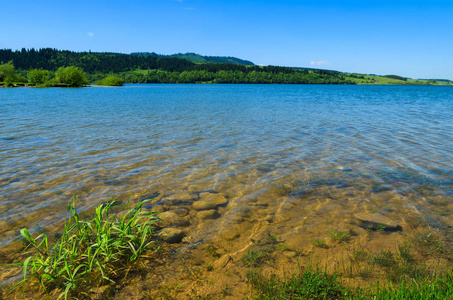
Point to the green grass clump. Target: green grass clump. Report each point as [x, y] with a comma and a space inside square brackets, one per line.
[257, 258]
[212, 251]
[339, 236]
[306, 283]
[272, 239]
[404, 251]
[89, 253]
[319, 243]
[385, 259]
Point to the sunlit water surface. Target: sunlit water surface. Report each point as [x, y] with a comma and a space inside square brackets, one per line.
[350, 149]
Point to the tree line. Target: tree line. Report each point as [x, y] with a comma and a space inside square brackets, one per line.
[91, 62]
[64, 76]
[96, 66]
[229, 76]
[396, 77]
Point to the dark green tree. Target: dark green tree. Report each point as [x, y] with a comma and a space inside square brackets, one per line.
[38, 76]
[7, 73]
[70, 76]
[111, 80]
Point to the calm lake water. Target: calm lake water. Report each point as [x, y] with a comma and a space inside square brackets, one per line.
[348, 149]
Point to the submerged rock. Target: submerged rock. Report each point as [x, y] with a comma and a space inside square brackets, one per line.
[290, 254]
[171, 218]
[209, 201]
[195, 188]
[182, 212]
[154, 208]
[208, 214]
[223, 261]
[102, 292]
[230, 234]
[376, 221]
[181, 198]
[171, 235]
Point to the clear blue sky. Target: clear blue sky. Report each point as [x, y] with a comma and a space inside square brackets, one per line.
[408, 38]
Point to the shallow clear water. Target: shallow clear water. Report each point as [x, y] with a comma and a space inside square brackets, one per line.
[251, 143]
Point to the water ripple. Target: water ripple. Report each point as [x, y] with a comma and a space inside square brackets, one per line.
[240, 140]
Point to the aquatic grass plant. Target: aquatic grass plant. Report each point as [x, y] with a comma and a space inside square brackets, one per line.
[394, 267]
[431, 244]
[319, 243]
[359, 255]
[88, 253]
[272, 239]
[212, 251]
[385, 259]
[404, 251]
[339, 236]
[257, 258]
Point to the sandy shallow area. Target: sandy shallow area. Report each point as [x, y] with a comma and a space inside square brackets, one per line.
[214, 235]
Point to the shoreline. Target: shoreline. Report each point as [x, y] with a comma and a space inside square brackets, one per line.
[216, 83]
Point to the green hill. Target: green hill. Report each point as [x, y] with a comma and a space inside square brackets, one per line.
[197, 58]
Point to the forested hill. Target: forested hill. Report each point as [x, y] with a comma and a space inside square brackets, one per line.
[106, 62]
[91, 62]
[151, 69]
[197, 58]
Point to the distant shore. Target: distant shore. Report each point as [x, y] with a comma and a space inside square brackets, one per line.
[20, 85]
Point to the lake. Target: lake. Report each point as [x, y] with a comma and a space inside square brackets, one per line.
[288, 159]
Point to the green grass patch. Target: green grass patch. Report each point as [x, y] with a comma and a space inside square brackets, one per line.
[306, 283]
[315, 283]
[89, 253]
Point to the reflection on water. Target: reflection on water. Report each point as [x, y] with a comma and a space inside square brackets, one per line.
[300, 155]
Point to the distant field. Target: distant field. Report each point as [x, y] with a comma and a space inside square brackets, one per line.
[371, 79]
